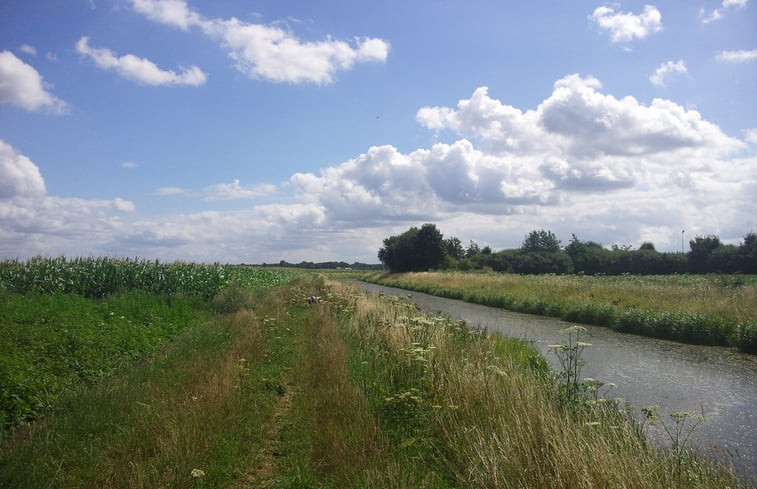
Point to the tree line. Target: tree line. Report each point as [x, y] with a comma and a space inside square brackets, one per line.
[324, 265]
[425, 248]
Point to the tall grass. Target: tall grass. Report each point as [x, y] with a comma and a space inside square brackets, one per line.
[709, 310]
[483, 416]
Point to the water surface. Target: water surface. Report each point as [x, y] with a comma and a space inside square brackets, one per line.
[722, 382]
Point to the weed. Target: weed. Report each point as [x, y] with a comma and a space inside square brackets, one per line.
[569, 355]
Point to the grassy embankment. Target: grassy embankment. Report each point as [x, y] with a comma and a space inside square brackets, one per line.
[355, 391]
[698, 309]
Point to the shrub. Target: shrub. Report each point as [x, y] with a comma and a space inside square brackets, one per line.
[231, 299]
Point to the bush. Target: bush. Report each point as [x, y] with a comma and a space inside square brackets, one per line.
[231, 299]
[747, 337]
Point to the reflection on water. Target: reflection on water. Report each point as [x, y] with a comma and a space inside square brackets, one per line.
[647, 371]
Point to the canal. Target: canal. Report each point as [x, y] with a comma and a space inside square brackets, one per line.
[721, 382]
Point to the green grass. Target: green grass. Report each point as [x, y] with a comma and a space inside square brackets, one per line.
[202, 404]
[66, 323]
[708, 310]
[354, 391]
[53, 343]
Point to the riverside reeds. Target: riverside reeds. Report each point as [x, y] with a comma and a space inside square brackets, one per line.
[709, 310]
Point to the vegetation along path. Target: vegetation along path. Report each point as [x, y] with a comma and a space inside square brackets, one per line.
[316, 384]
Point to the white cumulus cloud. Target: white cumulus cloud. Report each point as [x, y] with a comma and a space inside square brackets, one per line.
[34, 222]
[578, 120]
[742, 56]
[667, 69]
[578, 142]
[269, 52]
[137, 69]
[625, 26]
[171, 12]
[22, 85]
[18, 175]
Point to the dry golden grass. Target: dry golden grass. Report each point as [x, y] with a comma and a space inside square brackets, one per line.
[493, 422]
[711, 295]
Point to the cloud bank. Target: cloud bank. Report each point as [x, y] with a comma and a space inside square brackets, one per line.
[609, 169]
[33, 222]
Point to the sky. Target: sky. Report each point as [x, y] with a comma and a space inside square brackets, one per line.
[251, 131]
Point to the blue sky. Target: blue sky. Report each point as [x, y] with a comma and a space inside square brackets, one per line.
[254, 131]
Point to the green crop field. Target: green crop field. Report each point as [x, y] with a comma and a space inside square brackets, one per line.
[66, 323]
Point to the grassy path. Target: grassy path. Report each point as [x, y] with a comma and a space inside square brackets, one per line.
[351, 391]
[201, 408]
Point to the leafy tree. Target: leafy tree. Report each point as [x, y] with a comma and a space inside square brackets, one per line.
[748, 254]
[723, 259]
[398, 253]
[701, 249]
[472, 250]
[647, 246]
[541, 262]
[429, 247]
[587, 256]
[618, 247]
[454, 248]
[414, 250]
[486, 250]
[541, 240]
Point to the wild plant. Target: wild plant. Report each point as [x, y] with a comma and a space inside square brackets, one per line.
[570, 389]
[679, 431]
[684, 423]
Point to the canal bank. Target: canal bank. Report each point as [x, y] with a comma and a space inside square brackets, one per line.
[721, 382]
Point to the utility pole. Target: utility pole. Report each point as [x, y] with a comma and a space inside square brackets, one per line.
[682, 231]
